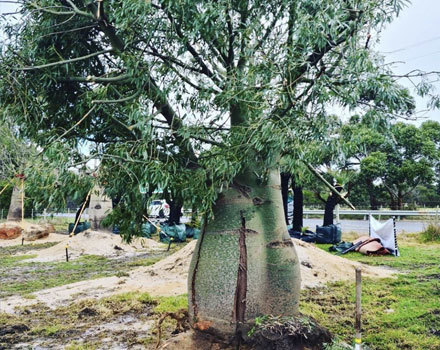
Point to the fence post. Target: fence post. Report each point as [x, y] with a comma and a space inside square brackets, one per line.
[337, 214]
[32, 213]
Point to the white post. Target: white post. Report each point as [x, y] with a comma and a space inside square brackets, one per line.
[32, 213]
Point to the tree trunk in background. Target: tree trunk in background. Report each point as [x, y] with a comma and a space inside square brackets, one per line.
[298, 206]
[399, 201]
[100, 206]
[175, 212]
[374, 203]
[15, 208]
[285, 193]
[244, 265]
[330, 205]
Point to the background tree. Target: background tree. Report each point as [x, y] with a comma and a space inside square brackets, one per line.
[211, 91]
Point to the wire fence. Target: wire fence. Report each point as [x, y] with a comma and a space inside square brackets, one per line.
[46, 214]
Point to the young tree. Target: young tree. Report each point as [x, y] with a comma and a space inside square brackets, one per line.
[211, 91]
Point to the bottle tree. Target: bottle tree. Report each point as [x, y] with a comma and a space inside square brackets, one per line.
[211, 94]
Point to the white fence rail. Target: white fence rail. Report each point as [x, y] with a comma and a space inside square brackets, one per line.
[377, 213]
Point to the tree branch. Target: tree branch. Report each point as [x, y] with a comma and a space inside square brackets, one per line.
[53, 64]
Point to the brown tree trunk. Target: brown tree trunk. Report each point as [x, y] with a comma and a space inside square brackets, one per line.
[285, 193]
[298, 206]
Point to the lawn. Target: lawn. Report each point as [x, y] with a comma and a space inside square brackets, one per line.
[399, 313]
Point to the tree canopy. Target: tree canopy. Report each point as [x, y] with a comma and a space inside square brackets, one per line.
[192, 88]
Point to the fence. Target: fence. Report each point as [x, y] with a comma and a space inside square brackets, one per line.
[45, 214]
[365, 213]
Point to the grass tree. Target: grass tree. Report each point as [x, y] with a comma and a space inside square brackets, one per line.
[210, 93]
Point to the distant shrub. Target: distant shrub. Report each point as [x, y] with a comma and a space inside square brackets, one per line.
[431, 233]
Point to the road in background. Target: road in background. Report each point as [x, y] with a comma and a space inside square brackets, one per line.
[361, 226]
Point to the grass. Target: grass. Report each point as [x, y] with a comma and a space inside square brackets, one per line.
[21, 277]
[398, 313]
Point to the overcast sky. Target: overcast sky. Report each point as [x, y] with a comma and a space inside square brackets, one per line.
[412, 41]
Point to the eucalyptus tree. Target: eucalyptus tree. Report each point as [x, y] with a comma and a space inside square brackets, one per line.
[209, 92]
[394, 158]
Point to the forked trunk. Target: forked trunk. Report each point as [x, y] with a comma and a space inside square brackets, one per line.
[244, 264]
[15, 208]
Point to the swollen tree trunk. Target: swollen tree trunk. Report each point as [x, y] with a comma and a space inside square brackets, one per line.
[285, 193]
[244, 264]
[15, 208]
[298, 205]
[100, 206]
[175, 212]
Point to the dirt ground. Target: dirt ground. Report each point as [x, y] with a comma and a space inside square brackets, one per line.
[108, 327]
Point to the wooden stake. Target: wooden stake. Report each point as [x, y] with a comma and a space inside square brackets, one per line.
[80, 213]
[152, 223]
[334, 190]
[67, 252]
[358, 339]
[4, 188]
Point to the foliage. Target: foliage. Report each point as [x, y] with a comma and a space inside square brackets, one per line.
[431, 233]
[184, 95]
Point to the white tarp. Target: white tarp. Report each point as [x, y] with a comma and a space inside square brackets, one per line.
[386, 233]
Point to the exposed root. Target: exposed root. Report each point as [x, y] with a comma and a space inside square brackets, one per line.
[180, 316]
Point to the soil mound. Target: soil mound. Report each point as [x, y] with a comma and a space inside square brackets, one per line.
[10, 230]
[31, 231]
[319, 267]
[93, 243]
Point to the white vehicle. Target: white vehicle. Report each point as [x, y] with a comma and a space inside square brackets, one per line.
[159, 208]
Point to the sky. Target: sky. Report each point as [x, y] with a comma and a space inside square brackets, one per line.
[412, 41]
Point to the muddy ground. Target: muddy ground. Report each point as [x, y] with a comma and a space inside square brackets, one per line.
[123, 321]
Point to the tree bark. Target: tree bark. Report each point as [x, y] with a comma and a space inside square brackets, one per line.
[175, 212]
[298, 205]
[399, 200]
[15, 208]
[100, 206]
[374, 203]
[285, 194]
[244, 264]
[330, 205]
